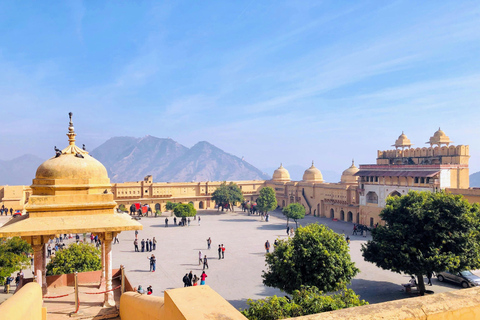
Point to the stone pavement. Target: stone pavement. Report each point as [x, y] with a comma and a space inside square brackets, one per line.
[238, 276]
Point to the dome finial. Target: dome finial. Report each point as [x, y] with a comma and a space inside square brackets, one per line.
[312, 163]
[353, 162]
[71, 131]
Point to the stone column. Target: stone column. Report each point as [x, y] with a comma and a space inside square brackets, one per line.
[108, 299]
[39, 259]
[102, 276]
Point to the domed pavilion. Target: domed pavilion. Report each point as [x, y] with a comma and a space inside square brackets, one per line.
[281, 174]
[70, 194]
[439, 138]
[348, 176]
[402, 142]
[312, 174]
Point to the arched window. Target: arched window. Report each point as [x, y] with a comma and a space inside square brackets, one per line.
[372, 197]
[349, 216]
[200, 205]
[332, 214]
[395, 194]
[342, 215]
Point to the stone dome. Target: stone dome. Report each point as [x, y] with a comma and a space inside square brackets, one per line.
[402, 142]
[439, 138]
[312, 174]
[71, 169]
[281, 174]
[348, 175]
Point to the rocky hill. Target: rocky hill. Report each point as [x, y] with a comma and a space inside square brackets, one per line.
[475, 180]
[19, 171]
[131, 159]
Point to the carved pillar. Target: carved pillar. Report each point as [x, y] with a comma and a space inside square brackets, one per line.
[102, 276]
[39, 258]
[108, 299]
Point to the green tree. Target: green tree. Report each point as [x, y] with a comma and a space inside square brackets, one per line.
[13, 256]
[79, 257]
[171, 205]
[122, 208]
[426, 232]
[307, 300]
[184, 210]
[315, 256]
[294, 211]
[229, 194]
[266, 200]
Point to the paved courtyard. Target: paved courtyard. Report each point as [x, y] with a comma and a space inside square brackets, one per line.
[238, 276]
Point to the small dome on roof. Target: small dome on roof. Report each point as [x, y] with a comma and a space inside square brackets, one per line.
[281, 174]
[402, 142]
[312, 174]
[439, 138]
[348, 174]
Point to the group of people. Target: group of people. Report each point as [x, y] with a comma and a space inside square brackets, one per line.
[149, 290]
[8, 281]
[290, 231]
[150, 244]
[360, 229]
[183, 222]
[6, 210]
[189, 279]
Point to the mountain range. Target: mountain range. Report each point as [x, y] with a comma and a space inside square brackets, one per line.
[131, 159]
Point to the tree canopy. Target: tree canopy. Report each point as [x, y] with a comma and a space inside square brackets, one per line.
[78, 257]
[294, 211]
[13, 256]
[171, 205]
[426, 232]
[315, 256]
[184, 210]
[227, 194]
[307, 300]
[266, 200]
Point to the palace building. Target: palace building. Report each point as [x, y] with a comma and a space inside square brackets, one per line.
[358, 197]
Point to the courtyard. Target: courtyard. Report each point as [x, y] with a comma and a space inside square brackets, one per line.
[238, 276]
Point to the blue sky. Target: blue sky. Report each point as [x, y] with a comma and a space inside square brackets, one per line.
[273, 81]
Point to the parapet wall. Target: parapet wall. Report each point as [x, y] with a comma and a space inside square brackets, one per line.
[459, 150]
[25, 304]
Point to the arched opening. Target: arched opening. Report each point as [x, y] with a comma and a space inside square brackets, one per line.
[158, 207]
[332, 214]
[395, 194]
[371, 222]
[372, 197]
[349, 216]
[358, 217]
[342, 215]
[283, 203]
[200, 205]
[314, 212]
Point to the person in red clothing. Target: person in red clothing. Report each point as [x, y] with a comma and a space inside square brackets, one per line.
[202, 278]
[223, 252]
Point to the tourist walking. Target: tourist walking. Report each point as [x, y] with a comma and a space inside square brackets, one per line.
[267, 246]
[143, 245]
[9, 280]
[195, 280]
[147, 244]
[166, 222]
[200, 256]
[198, 220]
[136, 234]
[209, 242]
[205, 262]
[135, 243]
[151, 245]
[223, 252]
[203, 277]
[219, 252]
[154, 242]
[153, 263]
[49, 250]
[115, 240]
[175, 220]
[288, 230]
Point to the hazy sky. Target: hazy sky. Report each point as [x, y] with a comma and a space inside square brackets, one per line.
[274, 81]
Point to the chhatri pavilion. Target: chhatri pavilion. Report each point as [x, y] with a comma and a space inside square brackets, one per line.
[71, 193]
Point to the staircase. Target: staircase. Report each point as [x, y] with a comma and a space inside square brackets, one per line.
[308, 202]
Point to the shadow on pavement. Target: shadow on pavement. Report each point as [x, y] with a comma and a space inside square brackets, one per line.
[238, 220]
